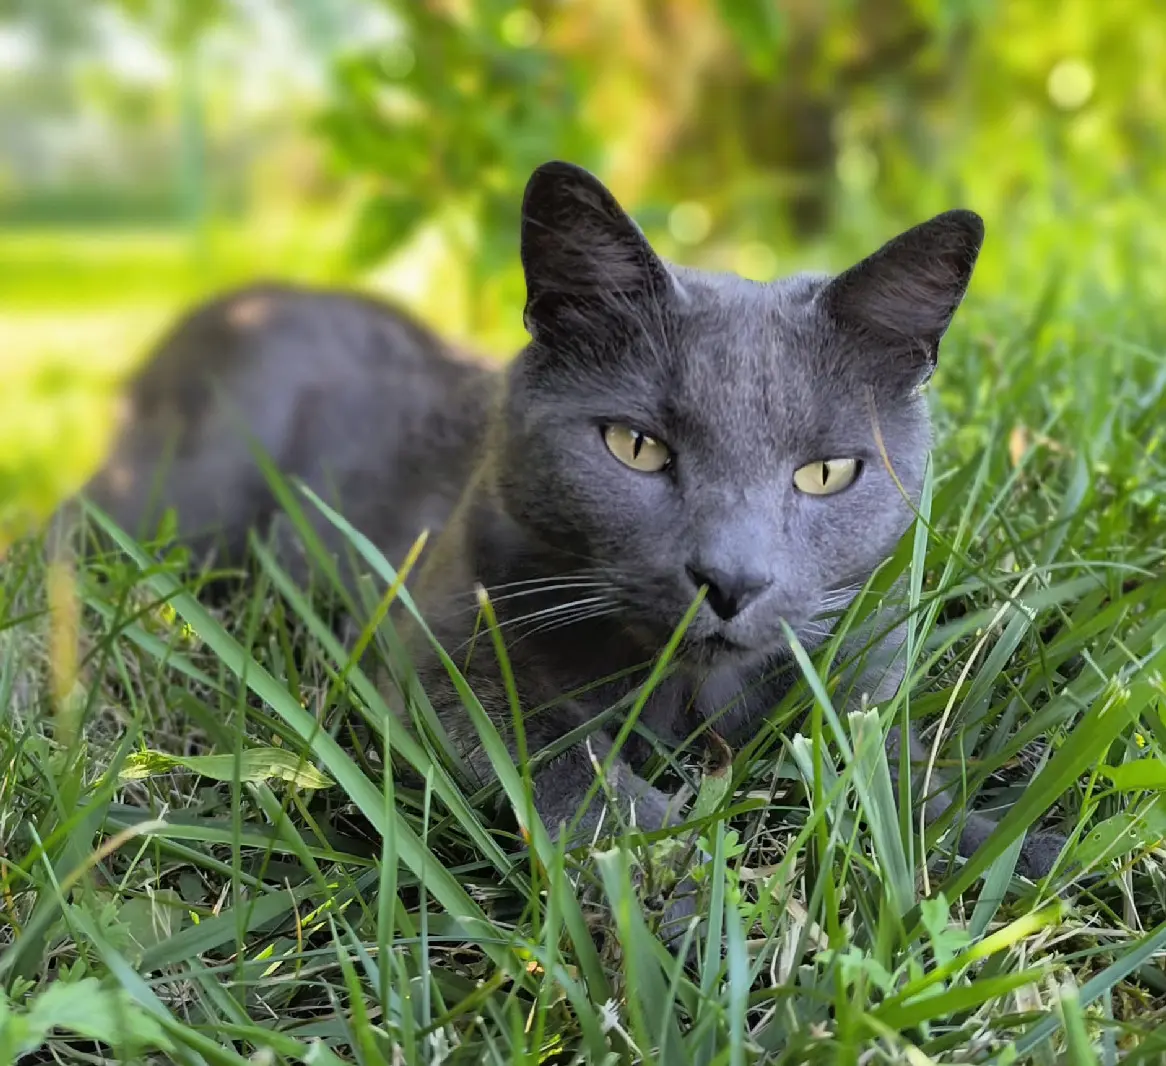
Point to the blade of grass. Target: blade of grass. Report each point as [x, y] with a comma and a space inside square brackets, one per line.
[496, 750]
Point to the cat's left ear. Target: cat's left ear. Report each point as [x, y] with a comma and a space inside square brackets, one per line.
[907, 292]
[582, 254]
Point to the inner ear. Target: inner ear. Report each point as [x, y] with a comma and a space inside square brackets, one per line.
[908, 291]
[580, 249]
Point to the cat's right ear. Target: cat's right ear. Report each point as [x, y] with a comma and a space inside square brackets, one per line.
[582, 254]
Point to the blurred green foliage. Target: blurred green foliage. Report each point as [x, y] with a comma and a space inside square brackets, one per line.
[781, 120]
[754, 135]
[459, 110]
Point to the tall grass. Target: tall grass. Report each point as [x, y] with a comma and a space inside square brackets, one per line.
[199, 863]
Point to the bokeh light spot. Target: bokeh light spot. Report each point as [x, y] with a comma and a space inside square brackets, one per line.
[857, 168]
[18, 49]
[756, 261]
[521, 28]
[1070, 84]
[397, 59]
[689, 222]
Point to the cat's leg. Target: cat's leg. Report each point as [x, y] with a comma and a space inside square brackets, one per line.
[560, 788]
[880, 680]
[562, 784]
[565, 794]
[1038, 853]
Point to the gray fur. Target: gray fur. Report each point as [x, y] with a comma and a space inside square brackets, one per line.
[368, 408]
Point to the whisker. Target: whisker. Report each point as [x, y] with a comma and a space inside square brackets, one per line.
[570, 575]
[596, 585]
[829, 615]
[814, 631]
[837, 597]
[574, 619]
[557, 608]
[508, 623]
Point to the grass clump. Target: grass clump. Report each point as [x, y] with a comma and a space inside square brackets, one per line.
[199, 866]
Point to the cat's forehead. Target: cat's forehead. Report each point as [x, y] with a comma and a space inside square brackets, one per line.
[747, 345]
[700, 289]
[725, 320]
[757, 370]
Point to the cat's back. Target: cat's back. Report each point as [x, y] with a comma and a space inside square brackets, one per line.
[249, 339]
[342, 390]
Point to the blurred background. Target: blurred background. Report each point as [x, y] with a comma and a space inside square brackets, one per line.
[155, 151]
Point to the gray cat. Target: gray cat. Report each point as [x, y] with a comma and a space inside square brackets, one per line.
[667, 433]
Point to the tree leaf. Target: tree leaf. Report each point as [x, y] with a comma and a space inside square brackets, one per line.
[385, 223]
[757, 27]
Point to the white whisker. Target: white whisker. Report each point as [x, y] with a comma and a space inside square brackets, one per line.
[571, 575]
[596, 585]
[571, 620]
[558, 609]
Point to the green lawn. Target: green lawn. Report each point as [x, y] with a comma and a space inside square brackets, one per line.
[255, 907]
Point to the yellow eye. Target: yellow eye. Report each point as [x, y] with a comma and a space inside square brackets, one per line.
[826, 477]
[636, 449]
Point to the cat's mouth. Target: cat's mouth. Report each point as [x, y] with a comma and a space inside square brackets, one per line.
[720, 648]
[719, 644]
[716, 649]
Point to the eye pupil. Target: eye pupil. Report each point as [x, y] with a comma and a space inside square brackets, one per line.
[636, 449]
[825, 477]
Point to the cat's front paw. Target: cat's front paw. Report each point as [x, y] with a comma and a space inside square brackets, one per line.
[679, 909]
[669, 893]
[1039, 854]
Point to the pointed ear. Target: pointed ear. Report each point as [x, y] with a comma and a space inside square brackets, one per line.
[908, 291]
[581, 252]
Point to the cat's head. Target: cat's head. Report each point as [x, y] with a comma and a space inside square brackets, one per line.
[668, 428]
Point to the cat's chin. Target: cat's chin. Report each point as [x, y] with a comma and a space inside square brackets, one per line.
[716, 649]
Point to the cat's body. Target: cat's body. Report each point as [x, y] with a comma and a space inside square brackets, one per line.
[667, 433]
[365, 406]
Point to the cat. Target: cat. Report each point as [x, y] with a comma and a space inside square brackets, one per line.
[667, 434]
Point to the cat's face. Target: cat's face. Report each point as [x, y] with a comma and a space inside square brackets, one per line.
[669, 429]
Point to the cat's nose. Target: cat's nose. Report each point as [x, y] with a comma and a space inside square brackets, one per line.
[729, 592]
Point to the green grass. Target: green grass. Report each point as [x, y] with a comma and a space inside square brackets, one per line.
[290, 899]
